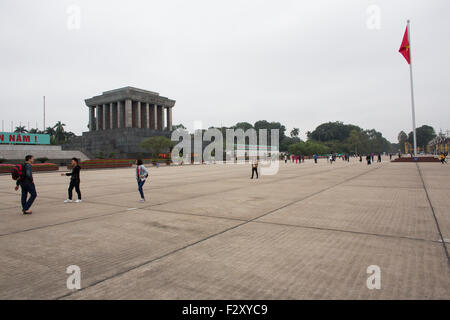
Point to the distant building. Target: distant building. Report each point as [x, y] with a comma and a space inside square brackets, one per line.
[120, 119]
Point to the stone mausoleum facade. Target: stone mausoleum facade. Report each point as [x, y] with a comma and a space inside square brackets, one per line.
[120, 119]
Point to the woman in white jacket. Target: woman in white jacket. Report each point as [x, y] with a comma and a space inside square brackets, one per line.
[141, 176]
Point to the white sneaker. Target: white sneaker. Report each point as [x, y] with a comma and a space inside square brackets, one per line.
[78, 200]
[67, 201]
[142, 200]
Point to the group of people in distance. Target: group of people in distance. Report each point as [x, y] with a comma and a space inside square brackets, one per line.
[25, 181]
[332, 158]
[370, 158]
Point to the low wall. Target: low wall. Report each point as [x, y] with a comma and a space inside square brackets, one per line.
[55, 154]
[419, 159]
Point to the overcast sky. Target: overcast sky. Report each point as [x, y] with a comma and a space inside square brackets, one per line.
[301, 63]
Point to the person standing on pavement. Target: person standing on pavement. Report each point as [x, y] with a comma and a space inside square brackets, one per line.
[26, 183]
[254, 168]
[141, 176]
[74, 181]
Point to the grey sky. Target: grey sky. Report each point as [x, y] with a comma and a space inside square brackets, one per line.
[297, 62]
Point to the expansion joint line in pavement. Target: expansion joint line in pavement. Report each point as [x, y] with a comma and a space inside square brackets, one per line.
[245, 187]
[214, 235]
[444, 245]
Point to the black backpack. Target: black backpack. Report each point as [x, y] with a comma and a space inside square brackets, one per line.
[17, 172]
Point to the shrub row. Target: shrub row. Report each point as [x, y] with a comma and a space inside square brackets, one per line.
[103, 164]
[419, 159]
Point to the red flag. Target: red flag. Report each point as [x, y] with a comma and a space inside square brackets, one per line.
[404, 48]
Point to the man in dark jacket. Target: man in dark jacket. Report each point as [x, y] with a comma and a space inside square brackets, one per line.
[74, 181]
[254, 168]
[26, 183]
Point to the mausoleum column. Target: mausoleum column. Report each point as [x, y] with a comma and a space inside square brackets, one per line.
[138, 114]
[120, 121]
[161, 118]
[169, 118]
[158, 117]
[92, 118]
[113, 115]
[155, 117]
[99, 117]
[128, 114]
[105, 121]
[147, 115]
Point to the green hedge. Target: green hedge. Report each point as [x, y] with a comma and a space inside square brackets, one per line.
[103, 163]
[116, 163]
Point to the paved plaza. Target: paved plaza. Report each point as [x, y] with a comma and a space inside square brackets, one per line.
[210, 232]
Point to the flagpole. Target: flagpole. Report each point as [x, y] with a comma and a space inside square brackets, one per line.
[44, 115]
[412, 91]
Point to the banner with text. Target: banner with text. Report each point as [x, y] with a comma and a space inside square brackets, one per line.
[23, 138]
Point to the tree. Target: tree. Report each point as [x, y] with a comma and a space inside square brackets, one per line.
[263, 124]
[332, 131]
[402, 138]
[50, 131]
[35, 130]
[356, 140]
[243, 125]
[308, 148]
[424, 134]
[287, 141]
[156, 145]
[295, 132]
[21, 129]
[345, 138]
[59, 132]
[178, 126]
[68, 135]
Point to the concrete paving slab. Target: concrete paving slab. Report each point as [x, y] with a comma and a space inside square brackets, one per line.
[208, 231]
[260, 261]
[33, 263]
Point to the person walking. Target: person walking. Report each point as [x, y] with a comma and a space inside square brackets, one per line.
[315, 158]
[74, 181]
[379, 157]
[141, 176]
[360, 157]
[26, 183]
[254, 168]
[368, 158]
[442, 158]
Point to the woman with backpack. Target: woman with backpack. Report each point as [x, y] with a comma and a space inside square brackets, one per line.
[141, 176]
[23, 174]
